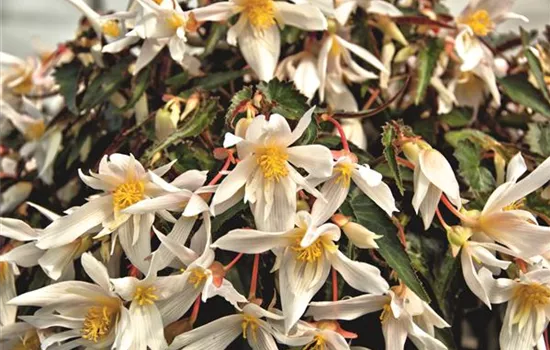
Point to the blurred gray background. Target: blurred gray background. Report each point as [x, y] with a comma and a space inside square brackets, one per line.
[27, 25]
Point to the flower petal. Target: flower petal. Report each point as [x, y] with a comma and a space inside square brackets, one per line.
[347, 309]
[233, 182]
[315, 159]
[305, 17]
[261, 50]
[226, 330]
[359, 275]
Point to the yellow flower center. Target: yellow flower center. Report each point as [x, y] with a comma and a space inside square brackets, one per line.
[529, 296]
[318, 343]
[260, 13]
[175, 21]
[520, 203]
[335, 49]
[197, 277]
[4, 271]
[35, 130]
[98, 322]
[26, 84]
[111, 28]
[344, 171]
[315, 250]
[29, 341]
[480, 22]
[127, 194]
[252, 322]
[272, 160]
[145, 295]
[386, 313]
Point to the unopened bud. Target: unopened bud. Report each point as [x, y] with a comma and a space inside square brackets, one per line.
[358, 234]
[412, 149]
[166, 120]
[192, 103]
[457, 236]
[242, 126]
[390, 29]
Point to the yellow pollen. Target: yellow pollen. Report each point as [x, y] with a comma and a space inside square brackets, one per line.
[98, 323]
[272, 161]
[315, 250]
[158, 2]
[260, 13]
[4, 271]
[111, 28]
[197, 277]
[318, 343]
[29, 341]
[335, 49]
[145, 295]
[26, 84]
[35, 130]
[386, 313]
[480, 22]
[127, 194]
[343, 171]
[252, 322]
[175, 21]
[520, 203]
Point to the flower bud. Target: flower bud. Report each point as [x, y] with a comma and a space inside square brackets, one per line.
[457, 236]
[192, 103]
[242, 126]
[358, 234]
[166, 120]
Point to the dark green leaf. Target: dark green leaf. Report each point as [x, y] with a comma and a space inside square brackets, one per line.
[368, 214]
[217, 32]
[474, 174]
[215, 80]
[427, 60]
[140, 85]
[66, 77]
[284, 98]
[456, 118]
[538, 138]
[534, 64]
[105, 84]
[178, 80]
[518, 88]
[237, 100]
[388, 136]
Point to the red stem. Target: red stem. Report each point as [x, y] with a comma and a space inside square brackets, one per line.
[195, 311]
[219, 175]
[254, 280]
[338, 127]
[233, 262]
[405, 162]
[440, 217]
[334, 285]
[452, 208]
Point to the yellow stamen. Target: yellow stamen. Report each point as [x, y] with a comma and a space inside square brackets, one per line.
[386, 313]
[98, 323]
[344, 171]
[480, 22]
[318, 343]
[272, 162]
[111, 28]
[252, 322]
[4, 271]
[197, 277]
[335, 49]
[35, 130]
[531, 297]
[520, 203]
[260, 13]
[315, 250]
[145, 295]
[29, 341]
[175, 21]
[127, 194]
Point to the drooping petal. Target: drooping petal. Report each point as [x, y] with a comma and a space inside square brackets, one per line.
[17, 230]
[359, 275]
[395, 333]
[233, 182]
[226, 330]
[315, 159]
[347, 309]
[470, 276]
[335, 193]
[148, 327]
[440, 173]
[261, 50]
[251, 241]
[55, 260]
[381, 194]
[138, 249]
[429, 205]
[305, 17]
[361, 52]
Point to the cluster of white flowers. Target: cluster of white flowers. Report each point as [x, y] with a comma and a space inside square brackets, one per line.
[267, 168]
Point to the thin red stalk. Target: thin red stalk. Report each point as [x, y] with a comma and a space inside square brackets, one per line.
[224, 168]
[452, 208]
[254, 280]
[334, 285]
[195, 312]
[338, 127]
[405, 162]
[233, 262]
[440, 217]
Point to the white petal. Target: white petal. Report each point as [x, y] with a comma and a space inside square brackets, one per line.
[305, 17]
[54, 261]
[67, 292]
[440, 173]
[119, 45]
[25, 255]
[361, 52]
[173, 245]
[315, 159]
[301, 127]
[347, 309]
[335, 194]
[516, 168]
[381, 8]
[171, 201]
[226, 330]
[470, 276]
[96, 270]
[172, 309]
[429, 205]
[261, 50]
[251, 241]
[381, 194]
[17, 230]
[233, 182]
[147, 322]
[46, 212]
[231, 140]
[219, 11]
[137, 250]
[359, 275]
[395, 333]
[149, 49]
[7, 293]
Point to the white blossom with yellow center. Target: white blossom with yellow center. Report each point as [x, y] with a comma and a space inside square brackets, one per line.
[102, 321]
[481, 17]
[306, 254]
[267, 171]
[257, 32]
[124, 182]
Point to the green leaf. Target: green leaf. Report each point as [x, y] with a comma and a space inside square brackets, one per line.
[67, 77]
[538, 204]
[237, 100]
[140, 85]
[217, 32]
[368, 214]
[534, 64]
[178, 80]
[538, 138]
[388, 136]
[456, 118]
[215, 80]
[105, 84]
[229, 214]
[479, 137]
[476, 176]
[310, 134]
[427, 60]
[518, 88]
[284, 98]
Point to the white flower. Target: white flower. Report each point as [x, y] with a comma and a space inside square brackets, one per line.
[93, 314]
[124, 182]
[433, 175]
[256, 30]
[404, 315]
[301, 69]
[482, 16]
[266, 171]
[42, 144]
[306, 255]
[26, 76]
[336, 188]
[19, 335]
[527, 312]
[347, 7]
[503, 222]
[202, 277]
[219, 334]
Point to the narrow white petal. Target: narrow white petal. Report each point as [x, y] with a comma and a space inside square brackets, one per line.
[234, 181]
[440, 173]
[470, 276]
[17, 230]
[226, 330]
[305, 17]
[361, 52]
[261, 50]
[96, 270]
[315, 159]
[381, 194]
[251, 241]
[359, 275]
[347, 309]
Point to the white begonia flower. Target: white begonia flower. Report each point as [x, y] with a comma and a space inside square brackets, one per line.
[219, 334]
[124, 182]
[202, 276]
[404, 315]
[257, 31]
[26, 76]
[19, 335]
[306, 255]
[301, 69]
[433, 175]
[336, 188]
[503, 222]
[57, 262]
[266, 171]
[42, 144]
[185, 197]
[92, 313]
[482, 16]
[527, 313]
